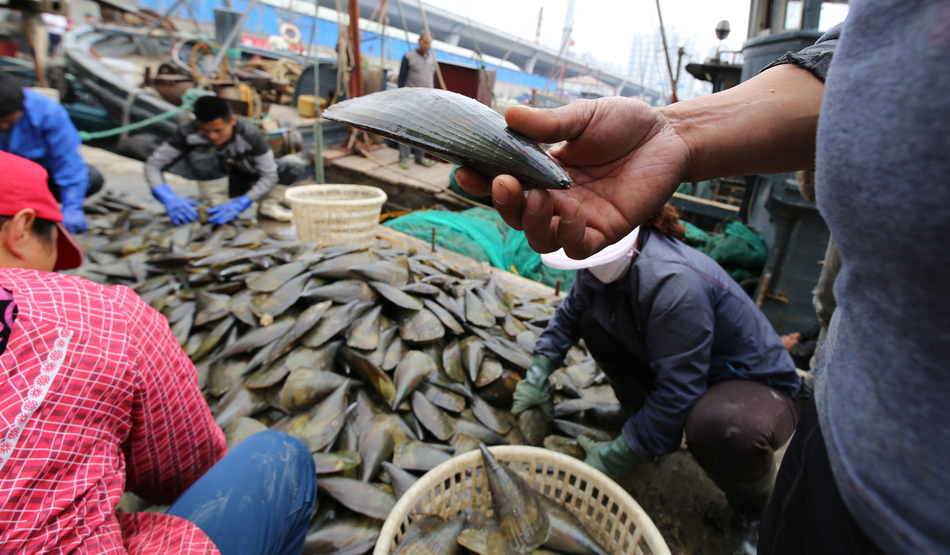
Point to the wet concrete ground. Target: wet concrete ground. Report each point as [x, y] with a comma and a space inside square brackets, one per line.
[685, 505]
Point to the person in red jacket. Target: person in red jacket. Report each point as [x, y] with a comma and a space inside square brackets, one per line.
[97, 398]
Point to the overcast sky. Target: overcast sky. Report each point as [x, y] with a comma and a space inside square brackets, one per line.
[605, 28]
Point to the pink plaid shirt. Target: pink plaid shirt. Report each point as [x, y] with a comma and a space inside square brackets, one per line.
[96, 398]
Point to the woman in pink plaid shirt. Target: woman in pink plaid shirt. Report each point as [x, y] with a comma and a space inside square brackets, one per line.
[97, 398]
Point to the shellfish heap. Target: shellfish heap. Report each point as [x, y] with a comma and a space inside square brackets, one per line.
[385, 361]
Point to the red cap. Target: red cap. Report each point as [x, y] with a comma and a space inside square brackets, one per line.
[25, 186]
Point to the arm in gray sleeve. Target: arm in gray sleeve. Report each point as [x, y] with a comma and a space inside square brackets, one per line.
[266, 175]
[163, 156]
[679, 342]
[564, 329]
[815, 58]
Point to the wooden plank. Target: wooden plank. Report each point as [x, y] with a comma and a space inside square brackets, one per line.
[506, 280]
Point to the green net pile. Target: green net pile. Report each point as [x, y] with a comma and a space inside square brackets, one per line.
[739, 250]
[481, 234]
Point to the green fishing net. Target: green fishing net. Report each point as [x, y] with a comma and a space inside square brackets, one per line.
[481, 234]
[739, 250]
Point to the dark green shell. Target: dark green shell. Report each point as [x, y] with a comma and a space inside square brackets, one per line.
[455, 128]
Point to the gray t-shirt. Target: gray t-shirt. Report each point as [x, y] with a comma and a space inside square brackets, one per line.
[882, 171]
[417, 70]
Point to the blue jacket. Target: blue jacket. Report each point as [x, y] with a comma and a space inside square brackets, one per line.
[47, 136]
[678, 310]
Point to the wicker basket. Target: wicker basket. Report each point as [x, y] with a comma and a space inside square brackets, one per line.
[608, 512]
[336, 214]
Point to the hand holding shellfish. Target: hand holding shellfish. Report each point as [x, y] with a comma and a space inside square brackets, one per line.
[625, 161]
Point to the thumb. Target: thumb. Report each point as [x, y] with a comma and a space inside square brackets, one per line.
[193, 202]
[551, 126]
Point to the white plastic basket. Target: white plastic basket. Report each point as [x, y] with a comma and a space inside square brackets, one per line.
[336, 214]
[610, 514]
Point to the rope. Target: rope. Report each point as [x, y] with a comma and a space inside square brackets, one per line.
[127, 111]
[85, 136]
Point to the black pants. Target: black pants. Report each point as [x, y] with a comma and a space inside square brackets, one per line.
[95, 184]
[806, 514]
[732, 431]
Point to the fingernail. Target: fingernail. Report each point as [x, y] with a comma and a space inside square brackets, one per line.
[534, 202]
[458, 180]
[571, 208]
[502, 194]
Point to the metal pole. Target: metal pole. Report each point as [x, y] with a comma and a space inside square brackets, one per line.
[666, 52]
[356, 79]
[227, 43]
[317, 128]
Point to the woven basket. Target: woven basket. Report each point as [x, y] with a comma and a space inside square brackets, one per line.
[608, 512]
[336, 214]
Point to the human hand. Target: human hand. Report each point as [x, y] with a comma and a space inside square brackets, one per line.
[613, 458]
[224, 213]
[535, 390]
[625, 160]
[180, 210]
[74, 220]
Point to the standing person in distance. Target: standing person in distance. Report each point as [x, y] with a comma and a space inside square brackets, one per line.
[231, 159]
[417, 70]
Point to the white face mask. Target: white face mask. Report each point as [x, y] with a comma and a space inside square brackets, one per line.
[612, 271]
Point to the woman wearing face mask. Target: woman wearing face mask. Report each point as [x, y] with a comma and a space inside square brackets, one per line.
[685, 349]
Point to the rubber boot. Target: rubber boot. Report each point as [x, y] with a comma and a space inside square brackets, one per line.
[270, 205]
[214, 191]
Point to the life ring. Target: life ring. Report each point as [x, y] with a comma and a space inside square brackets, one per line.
[290, 33]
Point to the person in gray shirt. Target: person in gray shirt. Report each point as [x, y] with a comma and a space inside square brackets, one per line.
[231, 158]
[417, 70]
[868, 470]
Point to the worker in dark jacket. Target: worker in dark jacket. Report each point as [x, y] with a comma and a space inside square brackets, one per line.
[231, 159]
[34, 127]
[685, 349]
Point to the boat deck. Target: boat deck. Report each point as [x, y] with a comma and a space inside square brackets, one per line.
[409, 189]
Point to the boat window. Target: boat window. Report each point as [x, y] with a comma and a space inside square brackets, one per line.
[793, 14]
[832, 13]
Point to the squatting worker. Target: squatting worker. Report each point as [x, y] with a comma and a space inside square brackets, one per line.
[417, 70]
[231, 159]
[684, 349]
[866, 471]
[98, 398]
[34, 127]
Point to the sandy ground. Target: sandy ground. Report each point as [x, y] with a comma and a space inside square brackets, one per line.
[686, 506]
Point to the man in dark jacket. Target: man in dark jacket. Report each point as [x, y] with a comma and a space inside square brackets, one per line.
[685, 349]
[231, 159]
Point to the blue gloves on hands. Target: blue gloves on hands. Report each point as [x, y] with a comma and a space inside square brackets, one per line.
[226, 212]
[74, 218]
[180, 210]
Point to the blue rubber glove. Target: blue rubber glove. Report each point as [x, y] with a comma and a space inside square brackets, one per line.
[74, 218]
[613, 458]
[180, 210]
[224, 213]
